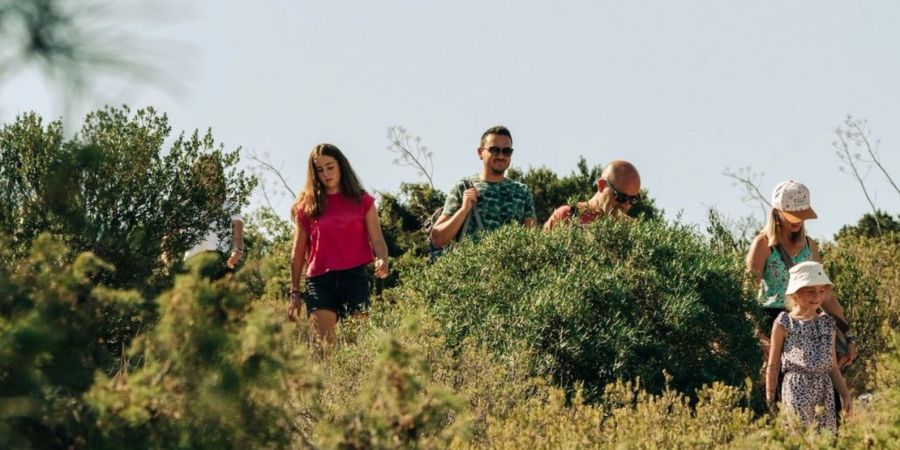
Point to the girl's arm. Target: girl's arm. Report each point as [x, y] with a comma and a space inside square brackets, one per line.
[298, 260]
[838, 380]
[373, 229]
[773, 367]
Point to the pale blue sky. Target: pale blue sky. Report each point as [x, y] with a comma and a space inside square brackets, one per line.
[683, 89]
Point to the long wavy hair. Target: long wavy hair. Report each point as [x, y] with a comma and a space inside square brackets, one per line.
[311, 200]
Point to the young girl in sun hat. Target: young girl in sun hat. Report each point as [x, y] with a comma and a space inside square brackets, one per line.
[803, 348]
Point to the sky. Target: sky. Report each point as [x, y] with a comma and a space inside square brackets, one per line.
[684, 90]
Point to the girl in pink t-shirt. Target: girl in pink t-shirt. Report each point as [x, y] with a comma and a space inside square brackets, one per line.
[336, 232]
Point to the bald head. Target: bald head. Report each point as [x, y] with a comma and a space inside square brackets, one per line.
[621, 177]
[621, 173]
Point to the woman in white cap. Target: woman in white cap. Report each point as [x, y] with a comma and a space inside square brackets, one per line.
[782, 244]
[803, 349]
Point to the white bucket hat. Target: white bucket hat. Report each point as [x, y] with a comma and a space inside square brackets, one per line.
[807, 273]
[792, 199]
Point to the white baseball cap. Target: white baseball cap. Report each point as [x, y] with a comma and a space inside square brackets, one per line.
[792, 199]
[807, 273]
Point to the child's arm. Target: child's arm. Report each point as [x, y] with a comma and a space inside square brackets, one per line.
[838, 380]
[773, 367]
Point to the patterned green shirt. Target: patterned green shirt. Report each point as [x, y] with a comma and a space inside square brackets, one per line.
[775, 277]
[498, 203]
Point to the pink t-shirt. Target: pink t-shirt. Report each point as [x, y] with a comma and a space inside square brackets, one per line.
[338, 239]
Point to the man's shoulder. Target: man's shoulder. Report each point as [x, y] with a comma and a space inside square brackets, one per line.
[464, 183]
[513, 185]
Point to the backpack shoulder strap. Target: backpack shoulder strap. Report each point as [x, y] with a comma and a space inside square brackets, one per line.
[788, 263]
[475, 213]
[573, 211]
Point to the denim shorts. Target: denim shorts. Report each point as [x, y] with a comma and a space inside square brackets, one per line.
[343, 291]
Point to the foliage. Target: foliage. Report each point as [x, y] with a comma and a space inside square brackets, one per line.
[730, 235]
[397, 407]
[629, 417]
[54, 323]
[268, 242]
[866, 276]
[615, 300]
[869, 225]
[70, 42]
[114, 190]
[215, 373]
[403, 216]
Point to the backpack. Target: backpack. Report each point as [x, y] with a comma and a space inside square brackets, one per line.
[433, 250]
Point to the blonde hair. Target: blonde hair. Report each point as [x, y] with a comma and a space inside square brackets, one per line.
[790, 301]
[773, 224]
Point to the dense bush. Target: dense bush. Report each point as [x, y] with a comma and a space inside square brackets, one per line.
[398, 406]
[215, 372]
[55, 323]
[118, 189]
[866, 275]
[266, 265]
[615, 300]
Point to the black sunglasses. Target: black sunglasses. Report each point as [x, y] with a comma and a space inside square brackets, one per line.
[507, 151]
[622, 198]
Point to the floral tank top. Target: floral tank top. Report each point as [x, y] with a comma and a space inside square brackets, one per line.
[775, 277]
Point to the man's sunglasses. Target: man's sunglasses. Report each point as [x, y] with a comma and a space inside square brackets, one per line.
[507, 151]
[622, 198]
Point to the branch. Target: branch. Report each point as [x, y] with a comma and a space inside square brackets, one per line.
[267, 165]
[749, 182]
[843, 153]
[265, 194]
[862, 139]
[401, 142]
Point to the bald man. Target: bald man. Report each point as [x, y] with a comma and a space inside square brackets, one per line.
[618, 188]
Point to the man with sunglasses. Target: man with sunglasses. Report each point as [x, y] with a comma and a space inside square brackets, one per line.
[618, 188]
[493, 198]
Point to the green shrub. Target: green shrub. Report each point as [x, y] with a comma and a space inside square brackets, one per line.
[866, 276]
[117, 189]
[629, 417]
[613, 301]
[397, 406]
[215, 372]
[54, 324]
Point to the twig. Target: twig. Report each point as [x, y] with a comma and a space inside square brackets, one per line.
[267, 165]
[862, 139]
[749, 182]
[843, 153]
[402, 142]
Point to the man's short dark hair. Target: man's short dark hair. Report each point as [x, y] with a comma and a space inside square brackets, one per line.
[500, 130]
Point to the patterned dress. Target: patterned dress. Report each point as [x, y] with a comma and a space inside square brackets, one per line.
[807, 391]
